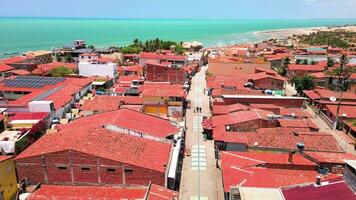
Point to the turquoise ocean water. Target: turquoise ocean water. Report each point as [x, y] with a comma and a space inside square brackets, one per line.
[23, 34]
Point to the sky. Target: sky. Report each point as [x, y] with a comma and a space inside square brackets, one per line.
[181, 9]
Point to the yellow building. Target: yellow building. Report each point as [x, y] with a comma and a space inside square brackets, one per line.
[8, 180]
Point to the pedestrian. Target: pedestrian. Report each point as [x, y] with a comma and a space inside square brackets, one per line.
[200, 109]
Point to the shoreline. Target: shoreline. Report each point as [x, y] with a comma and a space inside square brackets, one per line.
[285, 33]
[249, 37]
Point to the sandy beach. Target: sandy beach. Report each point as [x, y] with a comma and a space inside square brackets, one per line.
[285, 33]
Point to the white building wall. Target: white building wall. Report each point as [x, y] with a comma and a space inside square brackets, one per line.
[96, 69]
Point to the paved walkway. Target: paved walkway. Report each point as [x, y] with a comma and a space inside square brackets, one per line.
[200, 179]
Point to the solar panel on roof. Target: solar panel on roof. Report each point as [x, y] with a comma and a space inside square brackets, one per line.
[32, 81]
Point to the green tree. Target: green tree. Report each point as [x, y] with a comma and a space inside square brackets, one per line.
[60, 71]
[298, 61]
[303, 83]
[330, 62]
[179, 49]
[91, 47]
[129, 50]
[305, 62]
[68, 58]
[343, 73]
[282, 70]
[313, 62]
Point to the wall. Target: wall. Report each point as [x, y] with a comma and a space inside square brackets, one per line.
[46, 169]
[269, 83]
[103, 70]
[8, 181]
[165, 74]
[279, 102]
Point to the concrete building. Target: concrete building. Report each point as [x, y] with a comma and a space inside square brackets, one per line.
[165, 72]
[39, 57]
[230, 66]
[97, 68]
[126, 153]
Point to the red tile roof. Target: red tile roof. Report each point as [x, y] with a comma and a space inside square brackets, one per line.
[46, 68]
[326, 94]
[316, 68]
[16, 59]
[20, 72]
[264, 170]
[350, 111]
[59, 192]
[129, 119]
[297, 123]
[3, 158]
[264, 75]
[298, 112]
[101, 142]
[240, 116]
[162, 56]
[5, 67]
[107, 103]
[29, 116]
[330, 157]
[226, 109]
[63, 96]
[280, 138]
[160, 193]
[332, 190]
[162, 90]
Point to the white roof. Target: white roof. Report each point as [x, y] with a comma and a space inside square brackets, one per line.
[12, 135]
[30, 121]
[352, 163]
[252, 193]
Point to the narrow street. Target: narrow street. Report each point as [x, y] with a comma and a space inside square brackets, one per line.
[200, 180]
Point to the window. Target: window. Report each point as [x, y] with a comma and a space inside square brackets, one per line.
[128, 170]
[62, 167]
[110, 169]
[85, 168]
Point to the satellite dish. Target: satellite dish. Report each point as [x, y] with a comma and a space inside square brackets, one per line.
[333, 99]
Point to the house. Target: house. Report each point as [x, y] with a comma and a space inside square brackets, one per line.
[45, 69]
[108, 103]
[265, 81]
[5, 70]
[8, 180]
[282, 101]
[130, 70]
[244, 121]
[264, 170]
[18, 92]
[25, 120]
[229, 66]
[39, 57]
[127, 121]
[274, 139]
[95, 155]
[300, 70]
[165, 72]
[335, 162]
[20, 72]
[98, 68]
[325, 190]
[149, 192]
[87, 57]
[163, 99]
[176, 60]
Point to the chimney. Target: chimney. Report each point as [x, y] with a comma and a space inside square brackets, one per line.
[290, 156]
[318, 180]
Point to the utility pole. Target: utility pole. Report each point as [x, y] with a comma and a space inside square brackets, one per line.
[343, 61]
